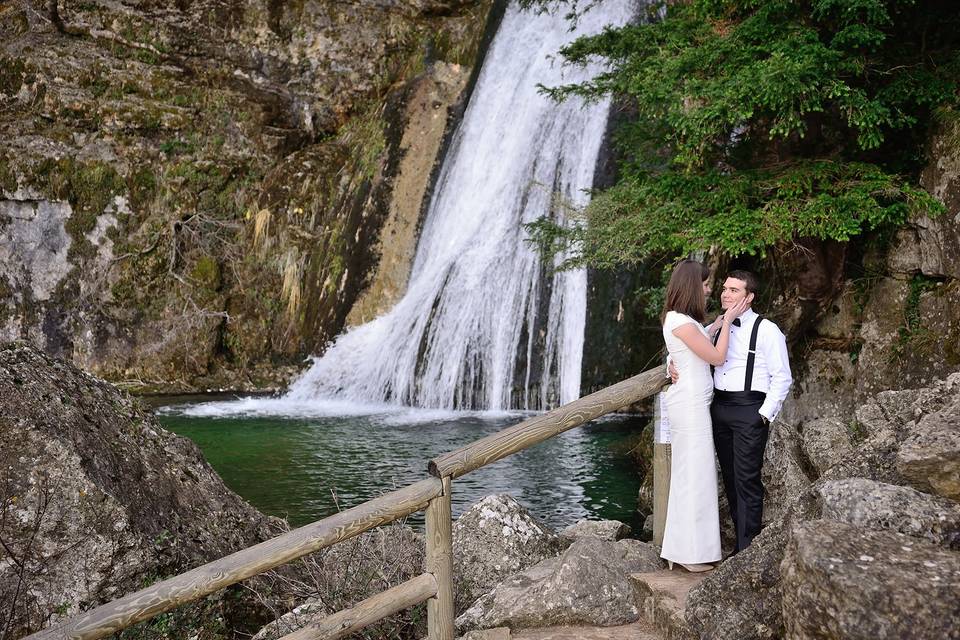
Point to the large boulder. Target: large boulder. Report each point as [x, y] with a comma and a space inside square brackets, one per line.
[740, 600]
[824, 442]
[588, 584]
[494, 539]
[841, 581]
[785, 473]
[930, 458]
[97, 498]
[876, 505]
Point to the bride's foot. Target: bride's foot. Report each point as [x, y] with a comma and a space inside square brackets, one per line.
[696, 568]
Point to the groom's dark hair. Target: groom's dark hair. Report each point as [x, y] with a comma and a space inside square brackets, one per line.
[749, 278]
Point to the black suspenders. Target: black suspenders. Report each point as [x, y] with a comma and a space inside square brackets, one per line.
[751, 353]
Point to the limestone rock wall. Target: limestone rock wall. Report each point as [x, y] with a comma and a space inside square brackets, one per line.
[191, 194]
[892, 318]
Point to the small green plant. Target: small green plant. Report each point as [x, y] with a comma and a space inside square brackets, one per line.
[912, 336]
[858, 432]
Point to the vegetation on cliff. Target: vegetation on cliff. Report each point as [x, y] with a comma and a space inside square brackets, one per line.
[757, 122]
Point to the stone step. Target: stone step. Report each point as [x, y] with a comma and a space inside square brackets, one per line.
[636, 631]
[664, 598]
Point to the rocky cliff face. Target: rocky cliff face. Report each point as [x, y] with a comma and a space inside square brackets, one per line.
[191, 195]
[882, 312]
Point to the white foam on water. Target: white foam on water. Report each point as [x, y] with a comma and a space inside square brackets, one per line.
[386, 414]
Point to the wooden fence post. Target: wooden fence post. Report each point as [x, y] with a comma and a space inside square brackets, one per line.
[440, 564]
[662, 454]
[661, 489]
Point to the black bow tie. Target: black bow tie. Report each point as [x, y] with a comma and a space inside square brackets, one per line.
[736, 322]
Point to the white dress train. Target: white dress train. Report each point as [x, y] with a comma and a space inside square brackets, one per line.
[692, 530]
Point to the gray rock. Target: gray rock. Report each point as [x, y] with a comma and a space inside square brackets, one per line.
[648, 527]
[840, 581]
[499, 633]
[825, 389]
[875, 505]
[740, 600]
[930, 457]
[588, 584]
[784, 477]
[98, 497]
[897, 356]
[293, 620]
[825, 442]
[603, 529]
[640, 556]
[494, 539]
[937, 240]
[33, 247]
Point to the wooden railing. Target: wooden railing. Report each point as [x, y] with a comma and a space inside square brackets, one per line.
[433, 494]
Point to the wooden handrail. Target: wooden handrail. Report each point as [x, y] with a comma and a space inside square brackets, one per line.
[374, 608]
[436, 586]
[196, 583]
[536, 430]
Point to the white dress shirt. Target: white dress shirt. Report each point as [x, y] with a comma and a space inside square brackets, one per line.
[771, 369]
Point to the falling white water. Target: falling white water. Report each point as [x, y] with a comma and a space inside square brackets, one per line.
[483, 325]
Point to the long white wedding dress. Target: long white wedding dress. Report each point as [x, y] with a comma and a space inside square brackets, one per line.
[692, 530]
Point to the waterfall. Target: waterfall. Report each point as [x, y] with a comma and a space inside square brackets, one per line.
[484, 324]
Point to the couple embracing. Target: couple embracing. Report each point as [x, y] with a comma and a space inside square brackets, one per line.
[730, 380]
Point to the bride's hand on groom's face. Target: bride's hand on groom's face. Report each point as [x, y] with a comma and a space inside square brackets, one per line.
[734, 312]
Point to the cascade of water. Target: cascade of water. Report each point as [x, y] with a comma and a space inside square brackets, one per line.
[483, 323]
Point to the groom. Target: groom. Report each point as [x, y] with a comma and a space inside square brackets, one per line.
[749, 390]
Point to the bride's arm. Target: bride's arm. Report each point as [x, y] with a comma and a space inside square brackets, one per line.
[693, 337]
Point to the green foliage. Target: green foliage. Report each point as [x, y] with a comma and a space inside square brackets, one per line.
[760, 121]
[206, 273]
[365, 137]
[88, 186]
[678, 212]
[8, 179]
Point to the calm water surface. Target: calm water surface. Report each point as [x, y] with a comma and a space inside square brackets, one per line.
[304, 463]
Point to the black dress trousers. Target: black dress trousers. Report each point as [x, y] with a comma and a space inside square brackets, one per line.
[740, 437]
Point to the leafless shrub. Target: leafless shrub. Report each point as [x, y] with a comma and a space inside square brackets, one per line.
[343, 575]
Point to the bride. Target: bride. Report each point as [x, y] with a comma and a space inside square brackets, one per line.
[691, 534]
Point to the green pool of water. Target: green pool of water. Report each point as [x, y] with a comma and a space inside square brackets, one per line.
[306, 468]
